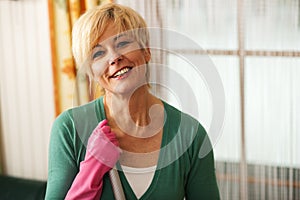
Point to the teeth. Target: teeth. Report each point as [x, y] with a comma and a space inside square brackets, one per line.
[122, 71]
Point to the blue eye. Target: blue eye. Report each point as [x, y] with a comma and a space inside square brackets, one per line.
[122, 44]
[98, 54]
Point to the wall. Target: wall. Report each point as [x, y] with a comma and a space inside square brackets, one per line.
[27, 104]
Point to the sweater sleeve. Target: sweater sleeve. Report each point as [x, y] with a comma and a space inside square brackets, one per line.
[63, 162]
[201, 181]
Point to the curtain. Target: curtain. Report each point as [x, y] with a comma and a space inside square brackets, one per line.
[0, 156]
[69, 89]
[27, 113]
[1, 145]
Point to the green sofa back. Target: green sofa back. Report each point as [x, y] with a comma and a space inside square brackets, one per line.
[13, 188]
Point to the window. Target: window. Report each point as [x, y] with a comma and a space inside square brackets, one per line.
[255, 46]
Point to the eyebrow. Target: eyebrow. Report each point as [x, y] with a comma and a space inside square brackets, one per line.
[115, 39]
[118, 36]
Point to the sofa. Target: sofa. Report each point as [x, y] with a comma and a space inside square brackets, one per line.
[14, 188]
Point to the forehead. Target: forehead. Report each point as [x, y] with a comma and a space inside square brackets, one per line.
[111, 33]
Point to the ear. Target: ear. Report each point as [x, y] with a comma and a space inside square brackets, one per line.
[147, 54]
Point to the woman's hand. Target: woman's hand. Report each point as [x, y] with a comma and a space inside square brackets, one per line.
[103, 145]
[101, 155]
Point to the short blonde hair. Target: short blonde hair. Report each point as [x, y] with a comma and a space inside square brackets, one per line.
[90, 26]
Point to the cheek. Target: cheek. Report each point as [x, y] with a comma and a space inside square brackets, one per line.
[98, 68]
[136, 57]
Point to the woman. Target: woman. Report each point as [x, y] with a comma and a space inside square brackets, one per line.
[154, 146]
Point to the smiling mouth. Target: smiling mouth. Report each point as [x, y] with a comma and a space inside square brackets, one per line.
[121, 72]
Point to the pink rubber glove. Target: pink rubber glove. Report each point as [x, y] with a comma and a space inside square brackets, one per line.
[101, 155]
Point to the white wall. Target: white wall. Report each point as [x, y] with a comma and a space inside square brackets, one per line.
[27, 102]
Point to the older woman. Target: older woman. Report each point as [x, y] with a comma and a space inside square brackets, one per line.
[154, 146]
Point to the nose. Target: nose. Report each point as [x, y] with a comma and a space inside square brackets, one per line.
[115, 58]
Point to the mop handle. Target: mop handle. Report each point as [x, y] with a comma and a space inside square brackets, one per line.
[116, 185]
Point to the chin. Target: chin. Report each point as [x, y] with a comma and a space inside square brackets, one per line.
[127, 88]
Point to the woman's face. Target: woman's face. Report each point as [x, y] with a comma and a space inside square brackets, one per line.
[118, 61]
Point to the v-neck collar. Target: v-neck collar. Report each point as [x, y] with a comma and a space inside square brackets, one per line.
[155, 179]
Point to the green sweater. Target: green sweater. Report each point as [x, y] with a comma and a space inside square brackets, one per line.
[180, 172]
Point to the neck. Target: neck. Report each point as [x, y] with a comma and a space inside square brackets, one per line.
[133, 111]
[134, 107]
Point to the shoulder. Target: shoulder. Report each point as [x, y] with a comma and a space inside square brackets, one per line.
[186, 130]
[89, 109]
[80, 120]
[80, 113]
[181, 120]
